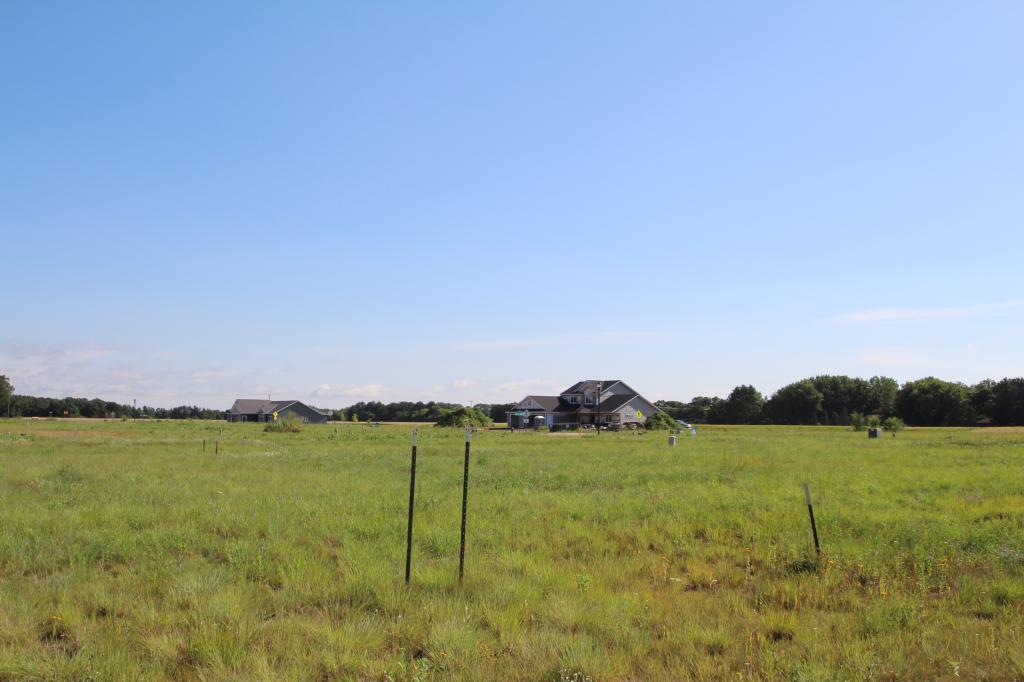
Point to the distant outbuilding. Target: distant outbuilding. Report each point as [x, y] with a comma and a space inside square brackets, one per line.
[257, 410]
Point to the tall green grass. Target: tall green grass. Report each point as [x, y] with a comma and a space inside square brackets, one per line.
[126, 552]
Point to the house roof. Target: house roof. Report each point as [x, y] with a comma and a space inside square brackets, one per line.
[614, 402]
[258, 405]
[587, 384]
[548, 402]
[250, 406]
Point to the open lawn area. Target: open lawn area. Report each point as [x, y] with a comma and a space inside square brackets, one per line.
[127, 552]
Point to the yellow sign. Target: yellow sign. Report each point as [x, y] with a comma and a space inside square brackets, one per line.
[639, 413]
[275, 416]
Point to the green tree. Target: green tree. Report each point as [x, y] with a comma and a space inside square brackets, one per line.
[696, 411]
[934, 402]
[6, 395]
[882, 393]
[983, 398]
[660, 421]
[1008, 402]
[799, 403]
[858, 421]
[743, 406]
[673, 408]
[462, 416]
[841, 395]
[497, 411]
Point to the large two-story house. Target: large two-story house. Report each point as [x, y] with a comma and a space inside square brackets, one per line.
[611, 403]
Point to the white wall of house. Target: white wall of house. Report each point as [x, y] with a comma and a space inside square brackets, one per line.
[629, 410]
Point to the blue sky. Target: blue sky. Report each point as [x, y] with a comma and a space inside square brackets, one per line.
[471, 202]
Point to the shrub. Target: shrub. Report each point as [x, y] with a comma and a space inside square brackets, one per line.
[858, 421]
[659, 421]
[462, 416]
[289, 424]
[892, 425]
[874, 421]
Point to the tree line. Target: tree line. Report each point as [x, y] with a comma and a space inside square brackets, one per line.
[406, 411]
[825, 399]
[836, 400]
[15, 405]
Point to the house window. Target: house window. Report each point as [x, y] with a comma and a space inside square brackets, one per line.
[574, 400]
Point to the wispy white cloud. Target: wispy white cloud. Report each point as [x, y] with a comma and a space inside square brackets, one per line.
[364, 392]
[515, 390]
[909, 314]
[463, 383]
[55, 370]
[121, 374]
[207, 376]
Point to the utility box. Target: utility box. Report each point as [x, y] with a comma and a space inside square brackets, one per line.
[672, 441]
[872, 433]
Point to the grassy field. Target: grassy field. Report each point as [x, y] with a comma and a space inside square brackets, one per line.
[126, 552]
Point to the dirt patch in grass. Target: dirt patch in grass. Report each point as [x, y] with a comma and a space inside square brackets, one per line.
[56, 633]
[75, 433]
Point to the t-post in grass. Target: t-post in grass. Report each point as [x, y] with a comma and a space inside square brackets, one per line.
[810, 512]
[465, 493]
[412, 499]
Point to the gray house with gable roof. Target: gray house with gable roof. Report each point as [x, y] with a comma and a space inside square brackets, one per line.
[607, 403]
[257, 410]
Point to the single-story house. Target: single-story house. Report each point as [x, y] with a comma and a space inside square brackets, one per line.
[607, 403]
[257, 410]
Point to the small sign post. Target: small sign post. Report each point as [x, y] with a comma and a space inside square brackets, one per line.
[412, 497]
[465, 493]
[810, 512]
